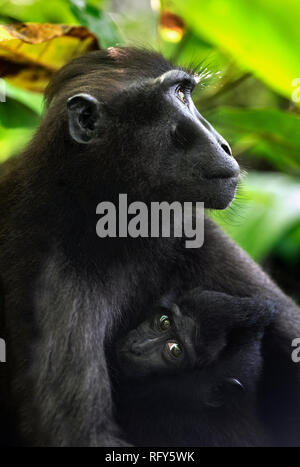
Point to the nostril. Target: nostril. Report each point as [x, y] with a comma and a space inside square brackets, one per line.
[226, 148]
[136, 349]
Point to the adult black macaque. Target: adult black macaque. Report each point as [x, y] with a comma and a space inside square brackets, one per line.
[119, 121]
[189, 377]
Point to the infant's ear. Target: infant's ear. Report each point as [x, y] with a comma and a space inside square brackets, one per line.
[225, 391]
[233, 384]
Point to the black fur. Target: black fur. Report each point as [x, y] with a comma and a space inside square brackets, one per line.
[208, 394]
[67, 292]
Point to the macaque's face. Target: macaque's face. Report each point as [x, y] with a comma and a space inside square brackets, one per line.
[166, 344]
[163, 343]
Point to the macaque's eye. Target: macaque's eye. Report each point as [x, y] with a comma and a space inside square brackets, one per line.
[164, 323]
[181, 95]
[174, 349]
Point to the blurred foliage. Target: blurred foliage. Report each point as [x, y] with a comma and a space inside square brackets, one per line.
[261, 35]
[98, 22]
[266, 209]
[248, 57]
[269, 133]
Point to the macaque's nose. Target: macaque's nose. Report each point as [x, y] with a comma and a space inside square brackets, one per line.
[141, 347]
[136, 348]
[225, 146]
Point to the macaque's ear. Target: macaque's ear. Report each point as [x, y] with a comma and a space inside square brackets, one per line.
[228, 389]
[84, 118]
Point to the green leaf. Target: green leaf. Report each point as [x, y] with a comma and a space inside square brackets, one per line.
[288, 248]
[17, 124]
[266, 208]
[39, 11]
[13, 140]
[14, 114]
[263, 36]
[271, 133]
[98, 22]
[31, 99]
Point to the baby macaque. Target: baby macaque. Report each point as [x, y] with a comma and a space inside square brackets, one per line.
[189, 374]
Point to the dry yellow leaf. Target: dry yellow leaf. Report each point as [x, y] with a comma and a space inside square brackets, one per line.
[31, 52]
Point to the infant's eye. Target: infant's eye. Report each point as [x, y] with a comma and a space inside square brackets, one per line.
[164, 322]
[174, 349]
[181, 95]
